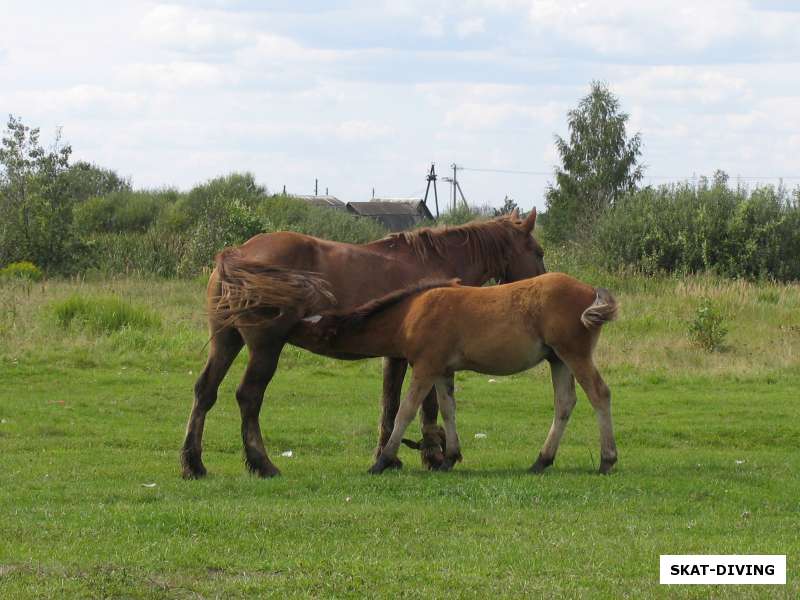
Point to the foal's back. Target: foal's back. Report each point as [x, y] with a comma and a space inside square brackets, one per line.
[498, 330]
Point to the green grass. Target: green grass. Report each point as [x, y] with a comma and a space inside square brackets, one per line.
[102, 315]
[708, 462]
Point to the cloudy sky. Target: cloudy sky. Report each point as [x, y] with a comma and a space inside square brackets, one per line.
[368, 94]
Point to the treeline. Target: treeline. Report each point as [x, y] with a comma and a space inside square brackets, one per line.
[77, 218]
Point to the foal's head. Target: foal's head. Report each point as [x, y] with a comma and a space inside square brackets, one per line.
[527, 257]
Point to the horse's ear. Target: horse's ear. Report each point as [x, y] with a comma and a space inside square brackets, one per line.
[514, 214]
[530, 221]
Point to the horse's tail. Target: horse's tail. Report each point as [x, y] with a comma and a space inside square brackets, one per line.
[251, 289]
[603, 309]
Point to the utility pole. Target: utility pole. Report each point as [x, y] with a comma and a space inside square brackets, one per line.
[457, 187]
[431, 179]
[316, 184]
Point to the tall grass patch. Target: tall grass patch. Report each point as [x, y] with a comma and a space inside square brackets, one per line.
[103, 315]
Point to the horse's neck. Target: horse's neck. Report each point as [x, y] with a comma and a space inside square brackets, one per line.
[454, 263]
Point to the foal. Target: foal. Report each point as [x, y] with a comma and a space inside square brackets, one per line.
[496, 330]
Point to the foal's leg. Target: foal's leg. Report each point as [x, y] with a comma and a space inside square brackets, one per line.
[600, 396]
[394, 371]
[261, 367]
[564, 400]
[434, 440]
[419, 388]
[223, 348]
[448, 406]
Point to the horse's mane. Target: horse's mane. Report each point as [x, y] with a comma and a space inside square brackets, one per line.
[486, 241]
[334, 322]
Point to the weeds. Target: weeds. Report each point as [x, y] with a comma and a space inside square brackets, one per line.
[707, 329]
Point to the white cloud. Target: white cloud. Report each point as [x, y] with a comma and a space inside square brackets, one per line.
[191, 29]
[467, 27]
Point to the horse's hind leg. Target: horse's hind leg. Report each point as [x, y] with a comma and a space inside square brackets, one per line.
[448, 406]
[600, 396]
[263, 361]
[223, 348]
[564, 401]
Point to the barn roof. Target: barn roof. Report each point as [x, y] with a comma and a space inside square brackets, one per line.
[395, 215]
[324, 200]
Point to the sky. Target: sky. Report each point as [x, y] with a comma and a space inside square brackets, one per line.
[365, 95]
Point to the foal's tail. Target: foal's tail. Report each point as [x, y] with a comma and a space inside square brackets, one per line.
[248, 288]
[603, 309]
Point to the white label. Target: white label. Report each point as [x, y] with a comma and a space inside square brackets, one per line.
[720, 569]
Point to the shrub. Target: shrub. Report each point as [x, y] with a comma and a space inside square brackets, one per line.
[707, 328]
[122, 211]
[103, 315]
[24, 270]
[189, 209]
[223, 223]
[683, 229]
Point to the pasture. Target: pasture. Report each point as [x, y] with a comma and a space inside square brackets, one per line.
[93, 410]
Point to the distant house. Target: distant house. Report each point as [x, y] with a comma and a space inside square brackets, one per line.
[323, 201]
[395, 214]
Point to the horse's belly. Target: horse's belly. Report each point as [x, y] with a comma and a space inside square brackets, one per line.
[501, 359]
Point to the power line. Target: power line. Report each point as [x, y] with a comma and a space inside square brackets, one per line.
[511, 171]
[645, 175]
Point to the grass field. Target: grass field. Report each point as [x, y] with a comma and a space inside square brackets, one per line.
[93, 407]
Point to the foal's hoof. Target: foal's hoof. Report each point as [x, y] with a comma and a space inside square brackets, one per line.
[433, 447]
[432, 458]
[606, 465]
[384, 463]
[540, 465]
[449, 462]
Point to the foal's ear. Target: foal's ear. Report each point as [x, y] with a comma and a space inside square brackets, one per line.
[530, 221]
[514, 214]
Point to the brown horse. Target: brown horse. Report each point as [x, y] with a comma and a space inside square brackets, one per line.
[259, 291]
[496, 330]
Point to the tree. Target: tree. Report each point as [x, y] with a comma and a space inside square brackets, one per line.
[599, 165]
[509, 204]
[35, 204]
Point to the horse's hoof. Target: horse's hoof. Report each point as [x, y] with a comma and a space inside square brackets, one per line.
[192, 466]
[195, 473]
[264, 470]
[540, 465]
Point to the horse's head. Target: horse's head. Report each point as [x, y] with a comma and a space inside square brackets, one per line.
[526, 259]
